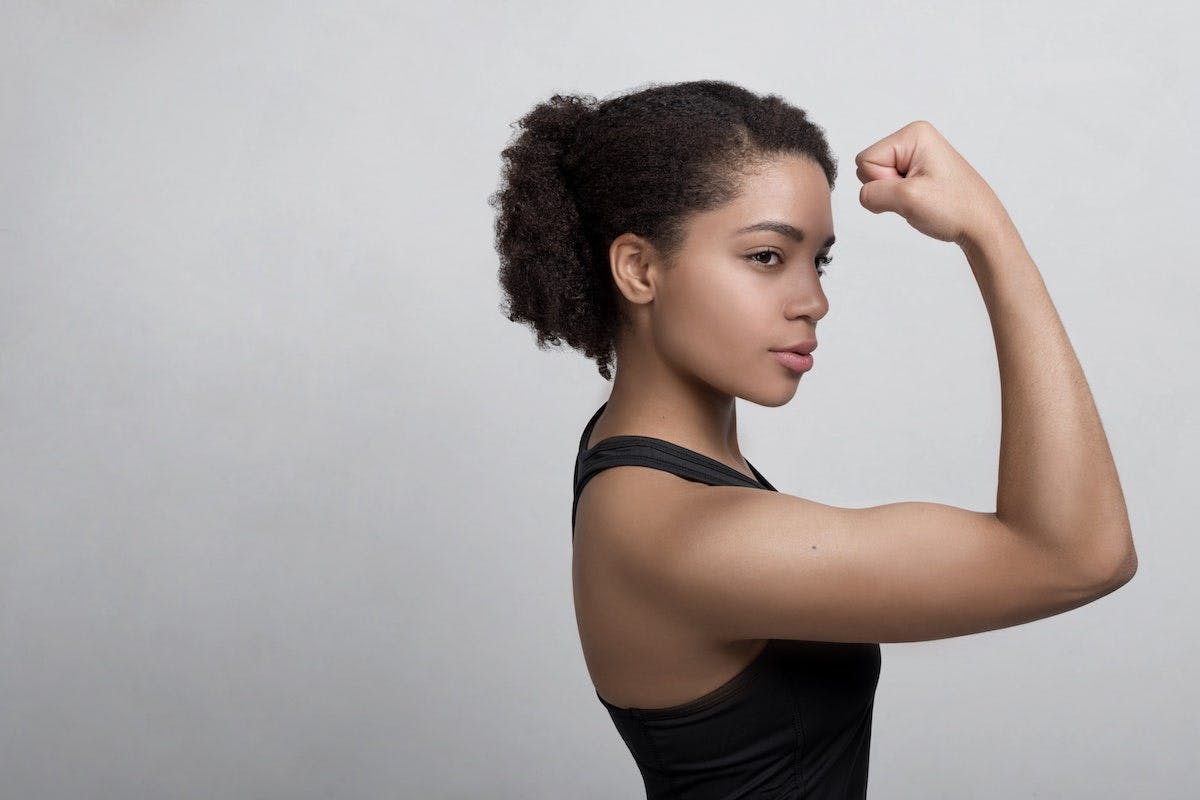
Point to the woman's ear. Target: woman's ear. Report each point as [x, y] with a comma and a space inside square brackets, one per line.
[633, 262]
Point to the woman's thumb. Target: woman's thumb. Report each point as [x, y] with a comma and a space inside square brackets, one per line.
[885, 194]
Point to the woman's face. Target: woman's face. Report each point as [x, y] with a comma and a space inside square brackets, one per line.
[736, 294]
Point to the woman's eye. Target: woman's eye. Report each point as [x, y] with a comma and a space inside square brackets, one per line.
[768, 253]
[823, 260]
[820, 263]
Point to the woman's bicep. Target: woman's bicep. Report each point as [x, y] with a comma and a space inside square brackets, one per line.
[746, 563]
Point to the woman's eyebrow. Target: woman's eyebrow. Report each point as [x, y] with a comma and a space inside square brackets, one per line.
[790, 231]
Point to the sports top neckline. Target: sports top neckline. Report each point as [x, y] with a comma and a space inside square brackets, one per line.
[612, 442]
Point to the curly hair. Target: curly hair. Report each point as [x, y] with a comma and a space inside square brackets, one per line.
[580, 172]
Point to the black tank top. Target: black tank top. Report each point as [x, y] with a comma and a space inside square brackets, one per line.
[795, 723]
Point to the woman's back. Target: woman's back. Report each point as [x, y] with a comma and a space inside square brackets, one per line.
[704, 718]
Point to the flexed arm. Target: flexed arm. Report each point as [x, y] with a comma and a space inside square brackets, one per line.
[1057, 478]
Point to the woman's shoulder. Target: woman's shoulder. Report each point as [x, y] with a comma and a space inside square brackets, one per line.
[631, 504]
[638, 651]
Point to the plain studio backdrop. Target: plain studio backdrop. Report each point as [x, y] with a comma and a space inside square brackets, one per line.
[285, 499]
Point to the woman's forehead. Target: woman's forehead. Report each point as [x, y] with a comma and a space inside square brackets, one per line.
[785, 202]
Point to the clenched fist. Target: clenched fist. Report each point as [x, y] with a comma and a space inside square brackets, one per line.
[919, 175]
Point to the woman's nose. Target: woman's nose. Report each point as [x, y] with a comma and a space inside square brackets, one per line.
[807, 299]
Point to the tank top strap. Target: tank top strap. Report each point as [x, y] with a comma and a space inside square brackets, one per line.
[648, 451]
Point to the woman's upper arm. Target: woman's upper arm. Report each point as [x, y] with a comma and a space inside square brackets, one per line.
[745, 563]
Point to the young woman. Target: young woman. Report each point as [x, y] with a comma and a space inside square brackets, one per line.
[732, 630]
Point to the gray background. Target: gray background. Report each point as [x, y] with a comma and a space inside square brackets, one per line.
[284, 499]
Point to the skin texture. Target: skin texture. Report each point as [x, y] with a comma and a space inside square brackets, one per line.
[701, 329]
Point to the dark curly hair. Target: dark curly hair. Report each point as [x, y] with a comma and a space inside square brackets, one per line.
[580, 172]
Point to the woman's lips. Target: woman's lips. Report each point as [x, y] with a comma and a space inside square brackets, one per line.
[794, 361]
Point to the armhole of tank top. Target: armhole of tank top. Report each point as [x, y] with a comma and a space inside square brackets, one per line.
[723, 693]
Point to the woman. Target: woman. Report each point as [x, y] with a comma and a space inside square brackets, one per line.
[732, 630]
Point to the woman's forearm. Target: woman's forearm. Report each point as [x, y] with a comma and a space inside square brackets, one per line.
[1057, 478]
